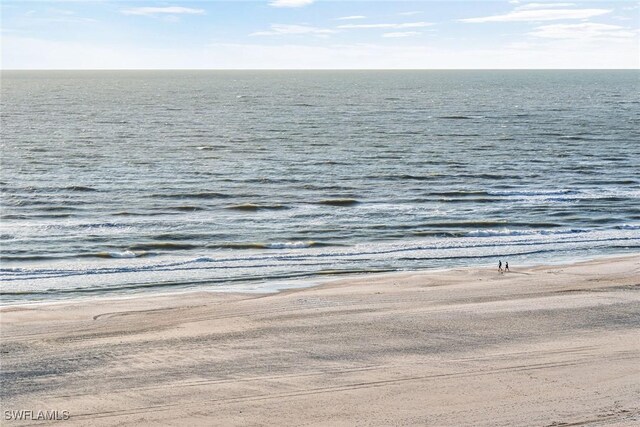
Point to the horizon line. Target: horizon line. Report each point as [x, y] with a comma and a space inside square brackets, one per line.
[319, 69]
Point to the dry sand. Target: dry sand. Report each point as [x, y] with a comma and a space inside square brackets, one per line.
[542, 346]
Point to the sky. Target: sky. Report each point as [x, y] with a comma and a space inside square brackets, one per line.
[319, 34]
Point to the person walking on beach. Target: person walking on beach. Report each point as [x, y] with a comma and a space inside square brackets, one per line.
[500, 266]
[506, 266]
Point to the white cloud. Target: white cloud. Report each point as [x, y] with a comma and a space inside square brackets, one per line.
[290, 3]
[540, 15]
[402, 34]
[65, 20]
[56, 16]
[348, 18]
[284, 29]
[172, 10]
[584, 31]
[392, 26]
[31, 53]
[530, 6]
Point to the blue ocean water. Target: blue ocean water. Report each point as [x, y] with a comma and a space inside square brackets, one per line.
[116, 182]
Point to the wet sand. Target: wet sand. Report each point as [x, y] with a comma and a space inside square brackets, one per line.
[539, 346]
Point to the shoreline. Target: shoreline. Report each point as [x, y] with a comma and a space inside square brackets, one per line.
[541, 345]
[303, 283]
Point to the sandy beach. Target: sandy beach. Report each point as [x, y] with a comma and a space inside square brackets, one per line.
[540, 346]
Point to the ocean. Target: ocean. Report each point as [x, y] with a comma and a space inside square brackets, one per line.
[123, 182]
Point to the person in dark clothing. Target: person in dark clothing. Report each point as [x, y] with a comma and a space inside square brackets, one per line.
[500, 266]
[506, 266]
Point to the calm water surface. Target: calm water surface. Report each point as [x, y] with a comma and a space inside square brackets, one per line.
[120, 182]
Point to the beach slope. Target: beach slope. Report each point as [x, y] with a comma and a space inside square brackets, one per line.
[545, 346]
